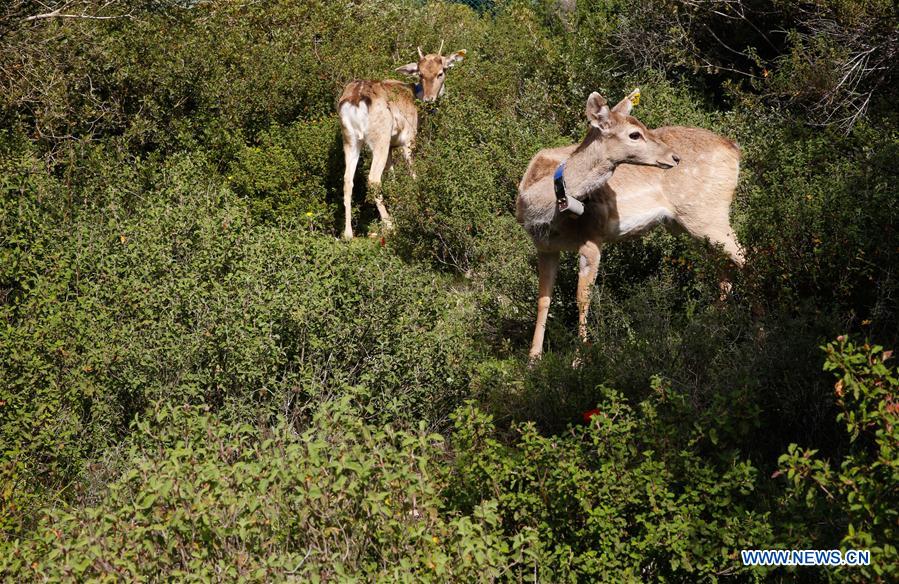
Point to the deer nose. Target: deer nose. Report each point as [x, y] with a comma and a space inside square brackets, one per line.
[676, 158]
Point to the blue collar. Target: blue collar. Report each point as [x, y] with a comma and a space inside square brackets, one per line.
[559, 182]
[559, 170]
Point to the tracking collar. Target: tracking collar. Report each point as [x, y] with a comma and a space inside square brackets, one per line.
[563, 201]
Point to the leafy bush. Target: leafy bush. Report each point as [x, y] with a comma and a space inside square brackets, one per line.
[831, 59]
[169, 180]
[201, 499]
[823, 202]
[185, 297]
[468, 174]
[859, 499]
[627, 498]
[292, 173]
[197, 497]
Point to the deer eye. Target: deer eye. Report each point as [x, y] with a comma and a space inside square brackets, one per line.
[635, 136]
[440, 74]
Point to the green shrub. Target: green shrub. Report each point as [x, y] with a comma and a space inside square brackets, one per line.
[201, 499]
[197, 497]
[820, 215]
[292, 173]
[858, 500]
[185, 297]
[628, 498]
[468, 172]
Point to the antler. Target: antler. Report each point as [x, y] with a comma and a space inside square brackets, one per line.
[420, 54]
[440, 50]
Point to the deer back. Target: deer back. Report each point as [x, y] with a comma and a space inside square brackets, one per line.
[376, 110]
[698, 191]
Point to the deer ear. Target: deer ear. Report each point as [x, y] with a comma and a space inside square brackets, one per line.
[454, 58]
[408, 69]
[627, 104]
[597, 111]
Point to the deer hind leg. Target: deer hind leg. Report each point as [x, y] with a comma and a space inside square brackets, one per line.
[352, 148]
[547, 268]
[732, 248]
[722, 234]
[380, 156]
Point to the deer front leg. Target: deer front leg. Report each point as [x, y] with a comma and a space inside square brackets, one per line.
[351, 150]
[588, 268]
[388, 166]
[547, 268]
[380, 156]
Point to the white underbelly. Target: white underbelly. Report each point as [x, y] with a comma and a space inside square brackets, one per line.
[638, 222]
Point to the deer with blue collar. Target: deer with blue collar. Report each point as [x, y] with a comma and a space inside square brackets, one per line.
[622, 180]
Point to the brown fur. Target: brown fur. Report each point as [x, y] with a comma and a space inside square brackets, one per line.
[367, 91]
[539, 168]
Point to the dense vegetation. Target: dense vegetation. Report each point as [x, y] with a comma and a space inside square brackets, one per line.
[198, 381]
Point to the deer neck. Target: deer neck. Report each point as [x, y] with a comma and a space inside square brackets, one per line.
[589, 168]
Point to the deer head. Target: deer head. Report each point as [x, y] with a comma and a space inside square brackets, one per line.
[625, 139]
[430, 70]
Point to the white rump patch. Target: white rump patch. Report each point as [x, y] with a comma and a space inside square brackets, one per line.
[640, 222]
[354, 118]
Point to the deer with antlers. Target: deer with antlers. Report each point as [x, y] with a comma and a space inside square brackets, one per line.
[383, 115]
[622, 180]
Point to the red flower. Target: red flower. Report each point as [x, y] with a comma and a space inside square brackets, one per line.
[588, 415]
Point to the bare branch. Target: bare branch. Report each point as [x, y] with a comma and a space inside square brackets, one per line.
[57, 14]
[62, 12]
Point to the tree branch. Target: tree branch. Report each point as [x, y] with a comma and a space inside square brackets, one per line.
[58, 14]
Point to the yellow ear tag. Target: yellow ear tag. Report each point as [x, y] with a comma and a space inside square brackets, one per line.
[635, 99]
